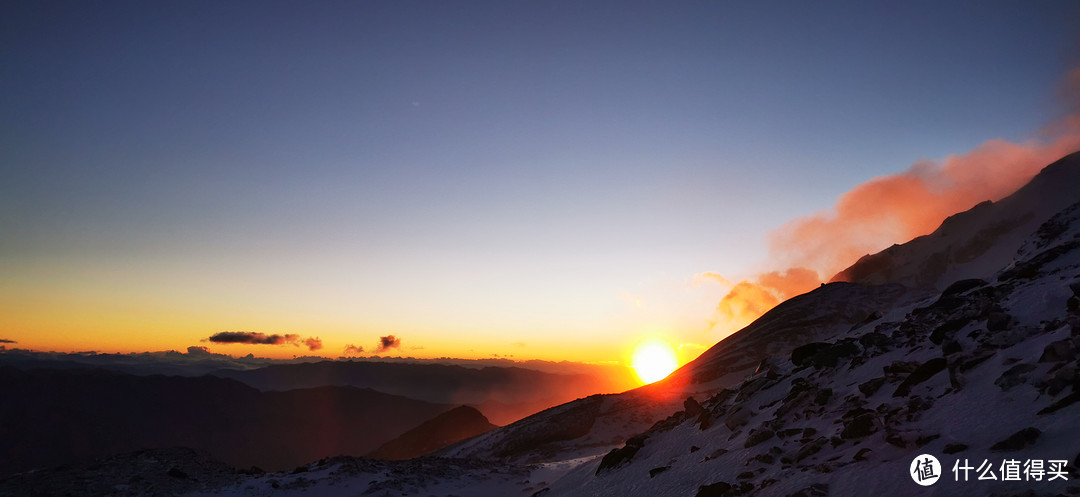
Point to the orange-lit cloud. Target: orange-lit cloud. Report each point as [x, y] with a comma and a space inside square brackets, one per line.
[388, 342]
[894, 209]
[5, 340]
[253, 338]
[747, 300]
[313, 343]
[351, 349]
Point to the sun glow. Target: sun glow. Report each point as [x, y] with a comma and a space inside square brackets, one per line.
[653, 360]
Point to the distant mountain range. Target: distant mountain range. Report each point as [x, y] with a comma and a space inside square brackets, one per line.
[52, 417]
[504, 394]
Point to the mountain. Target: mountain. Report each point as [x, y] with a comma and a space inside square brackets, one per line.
[51, 417]
[974, 243]
[449, 427]
[947, 348]
[506, 394]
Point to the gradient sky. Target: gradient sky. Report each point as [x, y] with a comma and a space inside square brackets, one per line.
[536, 179]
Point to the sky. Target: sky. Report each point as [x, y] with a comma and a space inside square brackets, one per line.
[537, 180]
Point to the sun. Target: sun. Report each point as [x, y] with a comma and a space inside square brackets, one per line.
[653, 360]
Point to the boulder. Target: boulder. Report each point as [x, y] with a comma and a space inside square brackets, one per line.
[1018, 440]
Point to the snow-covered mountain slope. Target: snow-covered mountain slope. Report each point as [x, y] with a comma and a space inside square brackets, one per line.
[977, 242]
[834, 392]
[986, 370]
[857, 382]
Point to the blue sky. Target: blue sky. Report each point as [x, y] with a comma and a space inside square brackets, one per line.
[473, 172]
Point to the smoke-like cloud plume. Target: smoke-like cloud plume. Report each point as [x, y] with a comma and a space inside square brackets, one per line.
[351, 349]
[893, 209]
[253, 338]
[5, 340]
[388, 342]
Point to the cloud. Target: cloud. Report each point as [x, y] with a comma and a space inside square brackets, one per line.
[898, 207]
[253, 338]
[707, 276]
[5, 340]
[387, 342]
[351, 349]
[894, 209]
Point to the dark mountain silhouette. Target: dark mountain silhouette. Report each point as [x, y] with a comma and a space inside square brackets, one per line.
[505, 394]
[449, 427]
[51, 417]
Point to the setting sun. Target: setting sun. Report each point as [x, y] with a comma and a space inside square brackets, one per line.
[653, 360]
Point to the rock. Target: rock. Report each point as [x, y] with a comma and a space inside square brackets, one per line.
[745, 475]
[900, 368]
[757, 436]
[810, 448]
[922, 373]
[718, 489]
[802, 354]
[951, 347]
[1018, 440]
[998, 320]
[1059, 351]
[1014, 376]
[954, 448]
[692, 408]
[896, 440]
[655, 471]
[1053, 383]
[789, 432]
[822, 397]
[705, 420]
[694, 448]
[177, 473]
[1065, 401]
[962, 286]
[861, 454]
[874, 339]
[621, 455]
[765, 458]
[716, 453]
[977, 359]
[859, 426]
[870, 387]
[925, 439]
[829, 357]
[946, 330]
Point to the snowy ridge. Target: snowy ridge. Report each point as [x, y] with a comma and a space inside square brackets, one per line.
[974, 243]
